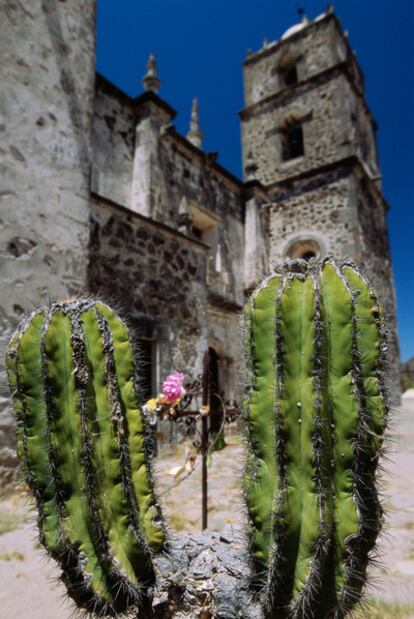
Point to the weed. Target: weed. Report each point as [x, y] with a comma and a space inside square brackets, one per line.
[180, 523]
[378, 609]
[12, 556]
[9, 521]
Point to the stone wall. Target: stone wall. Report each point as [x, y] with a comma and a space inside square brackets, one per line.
[113, 143]
[326, 128]
[197, 189]
[152, 273]
[142, 163]
[149, 189]
[187, 189]
[256, 242]
[375, 257]
[195, 175]
[315, 48]
[360, 131]
[327, 99]
[225, 336]
[320, 208]
[262, 70]
[336, 209]
[47, 77]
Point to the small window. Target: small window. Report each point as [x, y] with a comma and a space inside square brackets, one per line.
[197, 232]
[202, 225]
[290, 76]
[292, 143]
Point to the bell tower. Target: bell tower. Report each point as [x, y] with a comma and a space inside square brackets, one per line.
[308, 139]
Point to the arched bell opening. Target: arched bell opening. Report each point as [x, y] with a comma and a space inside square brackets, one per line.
[305, 249]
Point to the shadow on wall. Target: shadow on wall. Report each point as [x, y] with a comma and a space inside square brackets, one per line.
[67, 81]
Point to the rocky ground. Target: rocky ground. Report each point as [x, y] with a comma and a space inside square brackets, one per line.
[29, 581]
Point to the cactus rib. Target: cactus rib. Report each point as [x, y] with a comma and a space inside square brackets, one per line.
[24, 374]
[299, 522]
[261, 474]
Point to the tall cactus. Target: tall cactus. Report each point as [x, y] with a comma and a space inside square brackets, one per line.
[316, 411]
[81, 444]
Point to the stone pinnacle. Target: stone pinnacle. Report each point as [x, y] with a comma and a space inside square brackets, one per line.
[151, 81]
[194, 135]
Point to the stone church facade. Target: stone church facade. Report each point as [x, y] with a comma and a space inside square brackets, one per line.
[101, 194]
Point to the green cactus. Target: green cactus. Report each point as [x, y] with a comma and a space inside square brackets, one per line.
[316, 411]
[81, 444]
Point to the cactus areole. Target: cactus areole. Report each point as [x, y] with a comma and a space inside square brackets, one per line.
[316, 411]
[82, 447]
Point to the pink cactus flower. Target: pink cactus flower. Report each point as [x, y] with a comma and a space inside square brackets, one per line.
[172, 387]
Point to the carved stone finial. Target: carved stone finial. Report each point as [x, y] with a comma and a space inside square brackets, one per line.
[194, 135]
[250, 168]
[151, 81]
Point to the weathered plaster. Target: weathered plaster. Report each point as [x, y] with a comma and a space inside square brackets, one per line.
[113, 143]
[47, 77]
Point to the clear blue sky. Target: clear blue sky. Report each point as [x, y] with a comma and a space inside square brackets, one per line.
[200, 46]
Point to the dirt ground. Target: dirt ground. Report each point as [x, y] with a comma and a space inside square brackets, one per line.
[29, 582]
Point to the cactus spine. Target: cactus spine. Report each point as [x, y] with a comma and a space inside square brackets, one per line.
[316, 411]
[81, 444]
